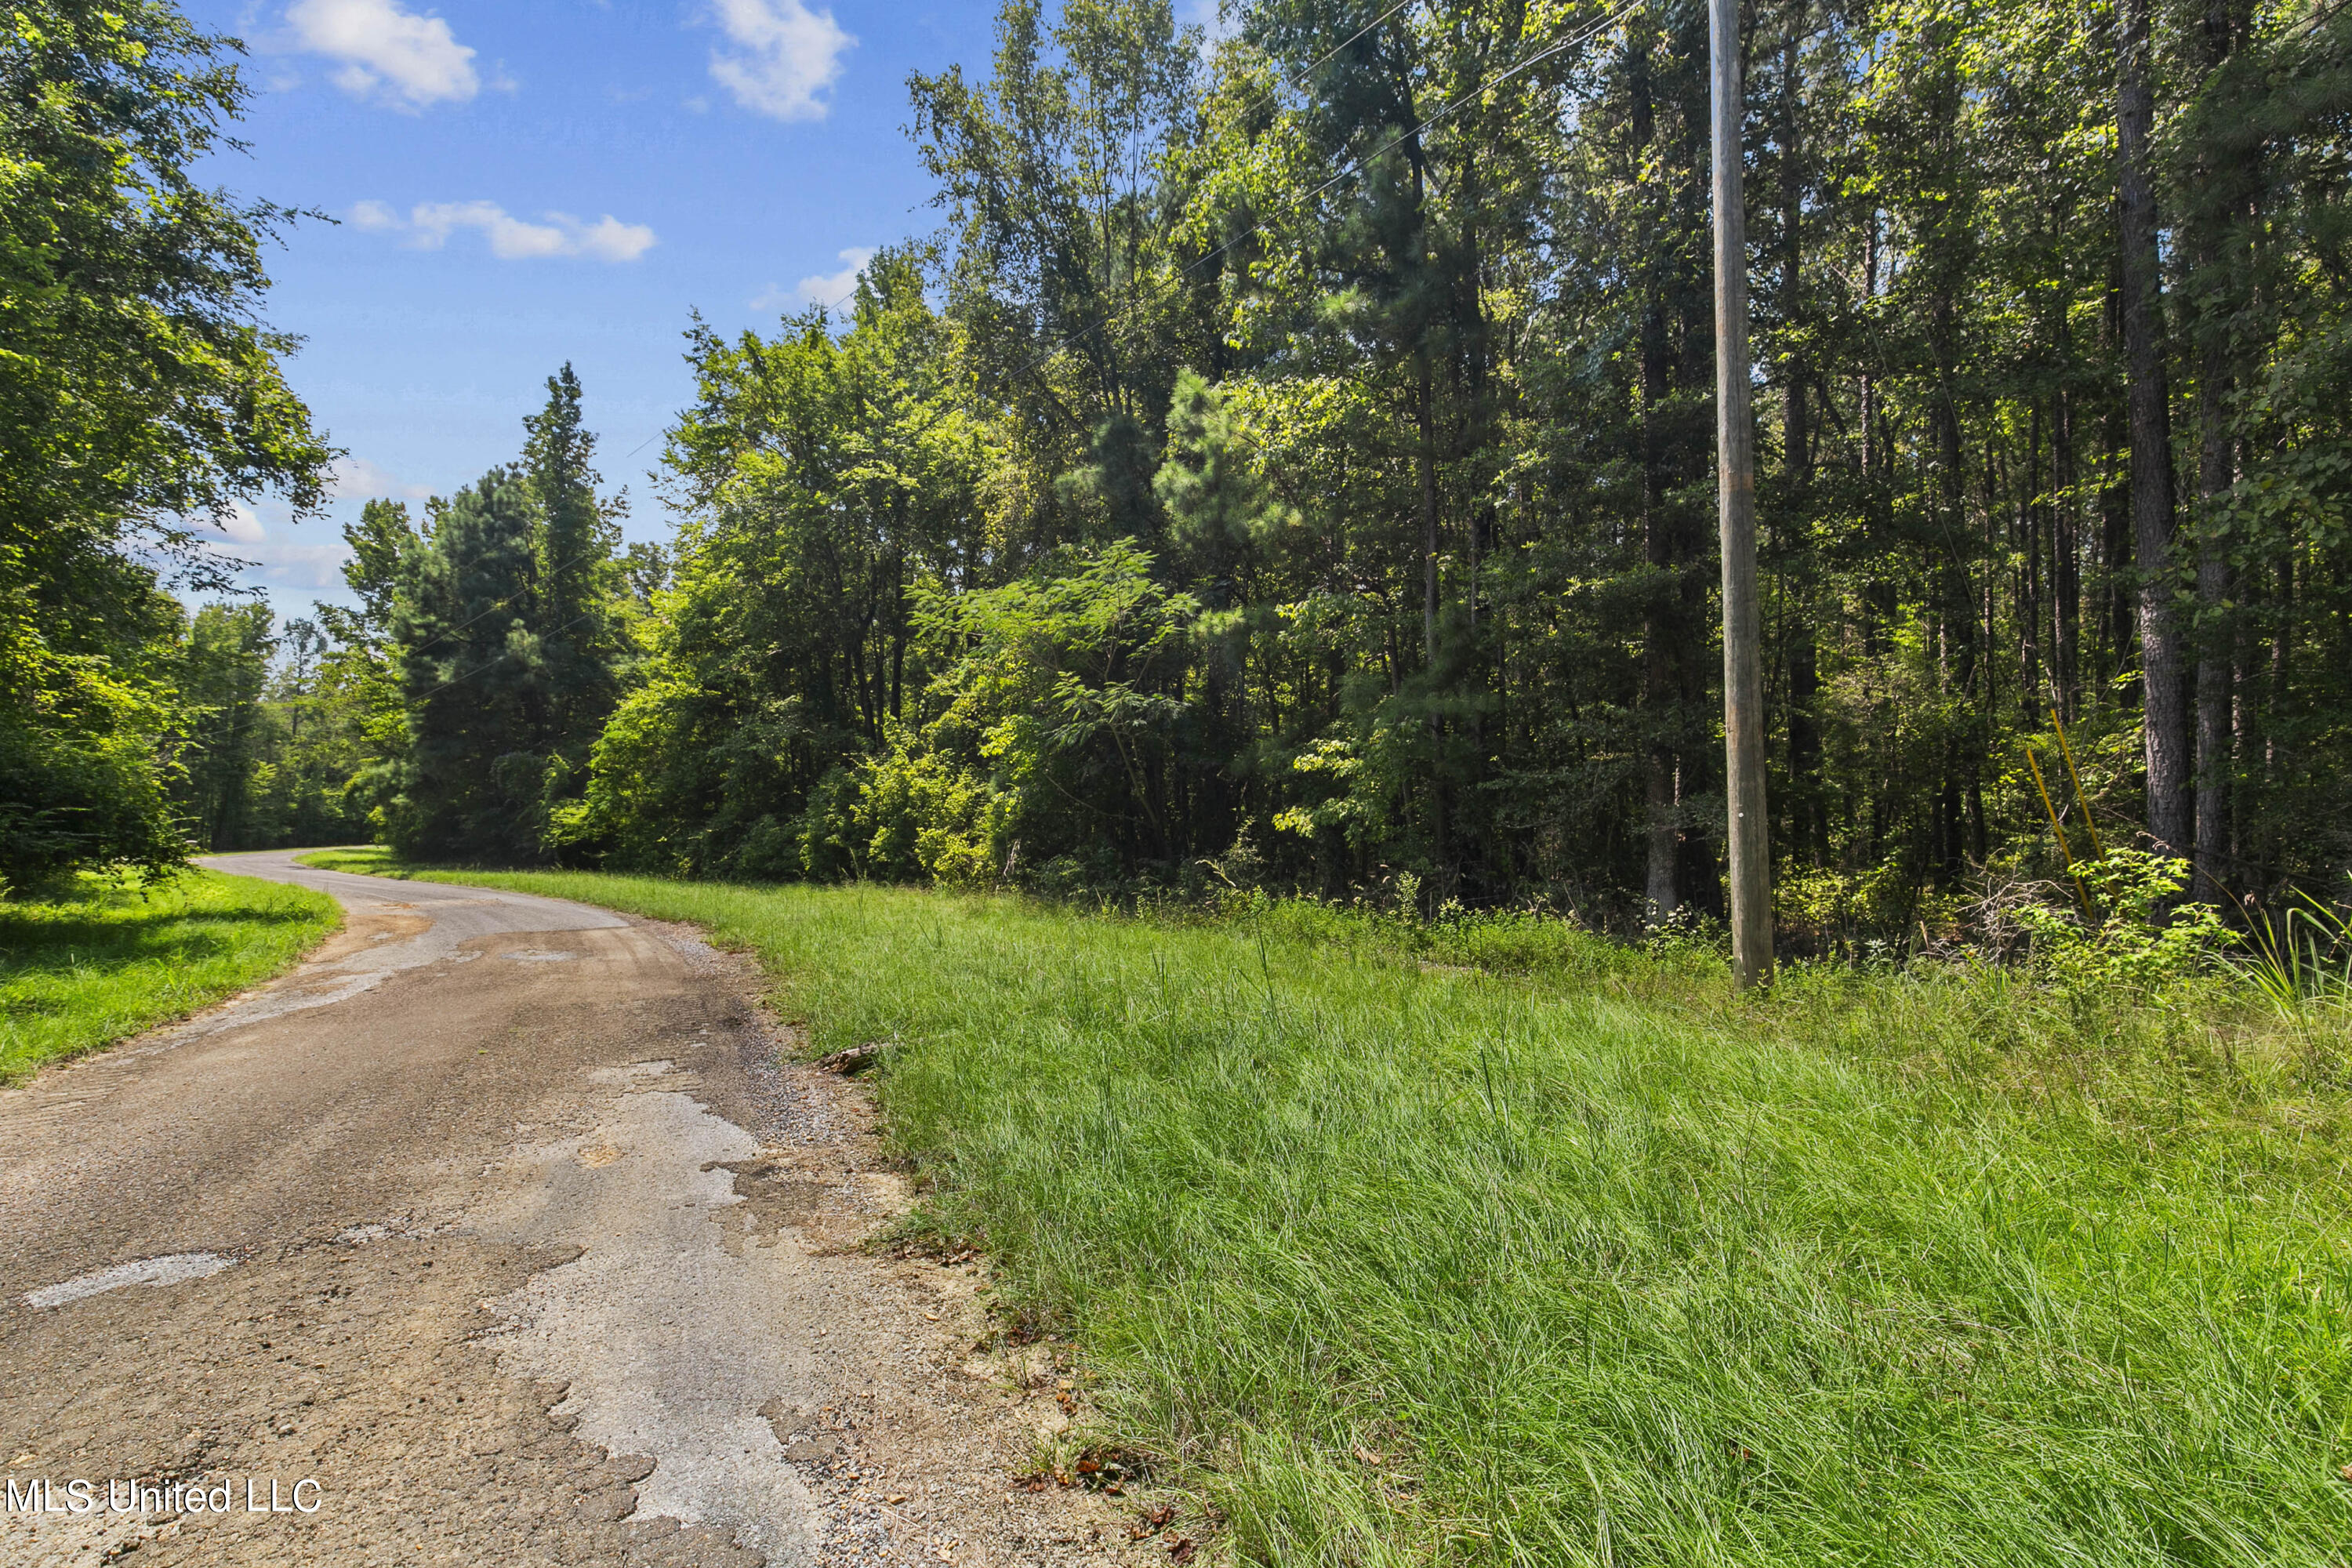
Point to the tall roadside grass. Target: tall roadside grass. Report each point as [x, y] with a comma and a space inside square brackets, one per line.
[102, 960]
[1498, 1243]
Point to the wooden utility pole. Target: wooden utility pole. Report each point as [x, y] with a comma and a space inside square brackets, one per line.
[1735, 436]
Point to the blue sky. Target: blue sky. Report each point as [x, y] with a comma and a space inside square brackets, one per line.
[529, 181]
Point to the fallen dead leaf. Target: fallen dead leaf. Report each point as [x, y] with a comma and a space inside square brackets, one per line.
[1182, 1551]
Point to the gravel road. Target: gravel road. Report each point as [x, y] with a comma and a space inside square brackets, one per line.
[497, 1230]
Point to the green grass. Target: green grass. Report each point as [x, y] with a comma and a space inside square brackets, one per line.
[367, 859]
[106, 962]
[1498, 1243]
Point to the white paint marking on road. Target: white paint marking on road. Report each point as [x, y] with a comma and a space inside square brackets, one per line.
[167, 1271]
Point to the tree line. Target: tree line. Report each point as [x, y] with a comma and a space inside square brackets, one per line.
[1289, 462]
[1296, 463]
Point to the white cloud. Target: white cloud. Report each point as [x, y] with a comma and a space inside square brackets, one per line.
[429, 226]
[356, 478]
[394, 55]
[241, 525]
[830, 289]
[610, 239]
[302, 567]
[786, 54]
[303, 558]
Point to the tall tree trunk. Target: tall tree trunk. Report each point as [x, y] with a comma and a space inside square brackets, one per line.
[2282, 645]
[2029, 578]
[2216, 651]
[1796, 448]
[1426, 460]
[2065, 557]
[1660, 684]
[2216, 647]
[2147, 396]
[1959, 608]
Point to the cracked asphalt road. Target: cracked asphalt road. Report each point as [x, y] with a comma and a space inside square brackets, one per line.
[498, 1221]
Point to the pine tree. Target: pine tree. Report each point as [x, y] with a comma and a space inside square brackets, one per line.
[573, 559]
[474, 681]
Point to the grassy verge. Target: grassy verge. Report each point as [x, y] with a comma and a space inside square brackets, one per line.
[1502, 1245]
[107, 962]
[367, 859]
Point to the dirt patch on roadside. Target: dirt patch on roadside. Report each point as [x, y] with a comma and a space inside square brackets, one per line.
[361, 932]
[921, 1436]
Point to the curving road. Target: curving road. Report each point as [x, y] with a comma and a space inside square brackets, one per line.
[451, 1225]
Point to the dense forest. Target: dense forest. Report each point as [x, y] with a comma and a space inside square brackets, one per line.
[1290, 463]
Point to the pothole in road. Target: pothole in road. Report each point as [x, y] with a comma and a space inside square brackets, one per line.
[169, 1269]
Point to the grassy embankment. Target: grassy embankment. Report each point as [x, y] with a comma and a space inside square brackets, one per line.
[105, 960]
[1500, 1244]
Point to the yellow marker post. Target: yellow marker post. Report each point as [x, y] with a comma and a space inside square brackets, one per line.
[2064, 849]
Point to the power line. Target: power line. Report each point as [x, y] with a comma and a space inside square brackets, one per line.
[1326, 57]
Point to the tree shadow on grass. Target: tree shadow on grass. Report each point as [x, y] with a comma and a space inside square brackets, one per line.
[105, 941]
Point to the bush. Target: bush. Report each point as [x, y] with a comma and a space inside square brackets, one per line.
[2143, 942]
